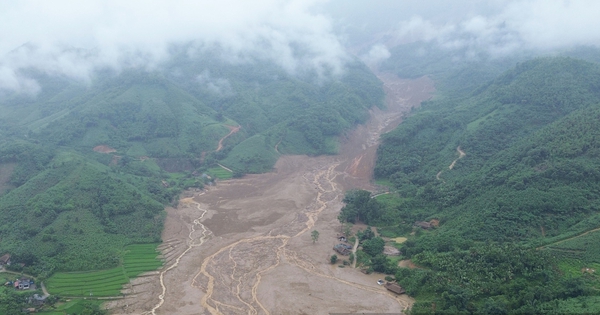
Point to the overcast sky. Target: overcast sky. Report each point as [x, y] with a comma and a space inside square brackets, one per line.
[74, 38]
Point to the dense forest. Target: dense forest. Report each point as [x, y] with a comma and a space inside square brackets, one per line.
[509, 168]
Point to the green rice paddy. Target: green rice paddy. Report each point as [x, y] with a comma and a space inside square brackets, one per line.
[137, 259]
[220, 173]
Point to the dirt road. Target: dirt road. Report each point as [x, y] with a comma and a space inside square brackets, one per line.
[232, 130]
[461, 154]
[244, 246]
[569, 239]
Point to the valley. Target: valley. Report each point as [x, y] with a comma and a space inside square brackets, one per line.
[244, 246]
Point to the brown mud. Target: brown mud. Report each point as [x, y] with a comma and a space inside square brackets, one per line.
[244, 245]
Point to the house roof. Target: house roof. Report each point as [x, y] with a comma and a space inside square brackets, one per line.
[394, 287]
[5, 258]
[423, 224]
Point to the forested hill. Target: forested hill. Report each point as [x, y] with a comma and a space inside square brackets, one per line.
[86, 168]
[510, 167]
[512, 131]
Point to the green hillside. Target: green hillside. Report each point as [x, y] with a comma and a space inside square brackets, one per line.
[87, 167]
[528, 180]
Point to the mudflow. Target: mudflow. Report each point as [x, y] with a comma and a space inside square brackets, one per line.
[244, 245]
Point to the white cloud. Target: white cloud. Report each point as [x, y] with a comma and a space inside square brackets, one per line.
[522, 24]
[377, 54]
[75, 38]
[219, 86]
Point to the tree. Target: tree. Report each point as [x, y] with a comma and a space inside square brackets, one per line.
[379, 263]
[374, 246]
[314, 235]
[367, 234]
[342, 218]
[347, 229]
[333, 259]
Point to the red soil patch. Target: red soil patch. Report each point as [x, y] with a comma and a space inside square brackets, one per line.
[104, 149]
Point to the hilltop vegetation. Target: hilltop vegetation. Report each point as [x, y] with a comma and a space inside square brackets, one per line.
[529, 179]
[87, 168]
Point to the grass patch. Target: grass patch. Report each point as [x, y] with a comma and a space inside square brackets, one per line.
[75, 306]
[252, 156]
[384, 182]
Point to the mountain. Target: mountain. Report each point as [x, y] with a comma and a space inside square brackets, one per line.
[510, 171]
[87, 167]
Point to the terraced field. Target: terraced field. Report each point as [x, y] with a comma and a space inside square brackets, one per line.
[137, 259]
[220, 173]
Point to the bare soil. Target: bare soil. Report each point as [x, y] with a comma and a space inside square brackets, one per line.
[244, 245]
[407, 264]
[104, 149]
[232, 130]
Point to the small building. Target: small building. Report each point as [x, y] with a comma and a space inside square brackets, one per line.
[5, 260]
[424, 225]
[394, 287]
[37, 299]
[342, 249]
[22, 284]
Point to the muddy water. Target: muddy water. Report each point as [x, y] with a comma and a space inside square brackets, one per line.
[254, 254]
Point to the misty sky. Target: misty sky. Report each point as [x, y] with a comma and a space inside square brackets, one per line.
[75, 38]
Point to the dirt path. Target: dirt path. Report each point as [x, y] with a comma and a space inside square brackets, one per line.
[461, 154]
[17, 273]
[277, 146]
[225, 168]
[232, 131]
[256, 256]
[46, 294]
[354, 248]
[571, 238]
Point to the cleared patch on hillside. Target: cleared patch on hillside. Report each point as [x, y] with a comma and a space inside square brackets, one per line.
[399, 240]
[6, 171]
[104, 149]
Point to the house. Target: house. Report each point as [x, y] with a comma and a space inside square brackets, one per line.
[37, 299]
[343, 249]
[5, 260]
[22, 284]
[424, 225]
[394, 287]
